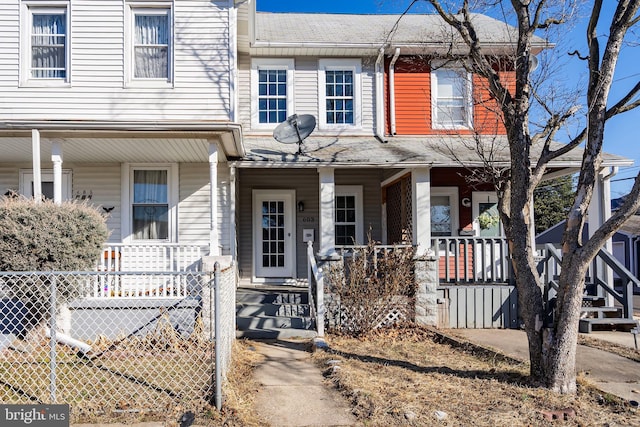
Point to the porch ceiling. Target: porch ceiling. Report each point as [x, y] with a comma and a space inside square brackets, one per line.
[134, 144]
[434, 151]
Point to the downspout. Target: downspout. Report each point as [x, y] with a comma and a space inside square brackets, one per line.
[392, 90]
[380, 113]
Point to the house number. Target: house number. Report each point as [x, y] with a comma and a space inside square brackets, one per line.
[308, 219]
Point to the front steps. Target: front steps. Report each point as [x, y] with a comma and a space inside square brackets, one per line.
[274, 312]
[596, 316]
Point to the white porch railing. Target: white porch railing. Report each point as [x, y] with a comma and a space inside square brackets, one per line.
[472, 259]
[153, 257]
[316, 289]
[136, 270]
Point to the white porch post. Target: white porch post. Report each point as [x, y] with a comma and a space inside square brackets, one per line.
[327, 208]
[214, 246]
[421, 212]
[599, 211]
[233, 182]
[37, 174]
[56, 158]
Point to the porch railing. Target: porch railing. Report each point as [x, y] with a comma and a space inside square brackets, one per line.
[549, 268]
[472, 259]
[152, 257]
[315, 280]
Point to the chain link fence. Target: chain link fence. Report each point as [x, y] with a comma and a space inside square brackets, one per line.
[136, 354]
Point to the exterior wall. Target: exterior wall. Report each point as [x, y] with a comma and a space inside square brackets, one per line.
[478, 307]
[97, 88]
[103, 180]
[306, 97]
[305, 183]
[413, 101]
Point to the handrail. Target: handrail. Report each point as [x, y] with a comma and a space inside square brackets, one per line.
[629, 280]
[314, 275]
[468, 259]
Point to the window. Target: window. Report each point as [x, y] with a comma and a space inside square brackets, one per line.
[46, 175]
[150, 45]
[444, 211]
[348, 215]
[150, 193]
[339, 93]
[45, 43]
[451, 98]
[271, 91]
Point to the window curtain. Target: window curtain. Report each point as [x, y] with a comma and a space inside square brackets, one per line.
[48, 46]
[150, 205]
[151, 46]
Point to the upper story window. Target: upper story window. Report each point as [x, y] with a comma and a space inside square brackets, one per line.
[149, 41]
[271, 91]
[339, 93]
[45, 43]
[451, 98]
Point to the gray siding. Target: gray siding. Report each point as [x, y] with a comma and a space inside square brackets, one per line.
[478, 307]
[305, 183]
[306, 93]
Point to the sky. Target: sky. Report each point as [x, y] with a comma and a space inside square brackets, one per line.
[622, 134]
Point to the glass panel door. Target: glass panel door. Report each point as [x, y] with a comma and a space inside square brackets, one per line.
[273, 233]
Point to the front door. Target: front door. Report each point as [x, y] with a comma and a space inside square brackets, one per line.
[489, 253]
[273, 233]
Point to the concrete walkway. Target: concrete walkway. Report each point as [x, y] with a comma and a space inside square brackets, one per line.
[293, 392]
[607, 371]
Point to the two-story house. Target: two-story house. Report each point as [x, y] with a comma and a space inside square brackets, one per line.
[129, 104]
[163, 112]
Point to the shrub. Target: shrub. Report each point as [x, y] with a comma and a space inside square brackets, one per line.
[368, 287]
[49, 237]
[46, 237]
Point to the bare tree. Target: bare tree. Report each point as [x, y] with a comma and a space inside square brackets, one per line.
[552, 347]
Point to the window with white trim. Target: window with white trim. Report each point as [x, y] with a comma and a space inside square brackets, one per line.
[45, 43]
[149, 44]
[451, 98]
[444, 211]
[46, 175]
[271, 91]
[152, 194]
[348, 215]
[340, 99]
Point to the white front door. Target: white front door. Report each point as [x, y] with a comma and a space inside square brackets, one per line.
[274, 233]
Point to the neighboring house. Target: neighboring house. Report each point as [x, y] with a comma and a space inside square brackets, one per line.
[163, 112]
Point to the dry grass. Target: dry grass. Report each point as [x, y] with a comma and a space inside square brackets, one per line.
[404, 376]
[614, 348]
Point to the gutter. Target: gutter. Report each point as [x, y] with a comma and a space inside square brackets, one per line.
[392, 90]
[380, 111]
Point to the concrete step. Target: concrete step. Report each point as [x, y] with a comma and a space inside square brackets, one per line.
[252, 296]
[601, 312]
[245, 323]
[606, 324]
[276, 333]
[287, 310]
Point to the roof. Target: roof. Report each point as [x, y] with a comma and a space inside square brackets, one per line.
[434, 151]
[372, 31]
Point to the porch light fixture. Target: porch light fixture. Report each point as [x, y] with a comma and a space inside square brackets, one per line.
[301, 206]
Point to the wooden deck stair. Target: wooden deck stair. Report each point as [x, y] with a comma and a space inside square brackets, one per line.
[596, 315]
[273, 312]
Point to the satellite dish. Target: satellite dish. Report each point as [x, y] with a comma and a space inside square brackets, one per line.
[295, 129]
[533, 63]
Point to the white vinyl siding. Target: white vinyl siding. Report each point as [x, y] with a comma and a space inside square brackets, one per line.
[97, 90]
[194, 213]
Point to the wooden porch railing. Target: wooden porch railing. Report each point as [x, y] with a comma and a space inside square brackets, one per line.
[472, 259]
[152, 257]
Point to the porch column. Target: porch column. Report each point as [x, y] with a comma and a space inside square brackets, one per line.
[35, 157]
[326, 236]
[421, 209]
[233, 180]
[56, 158]
[214, 246]
[599, 211]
